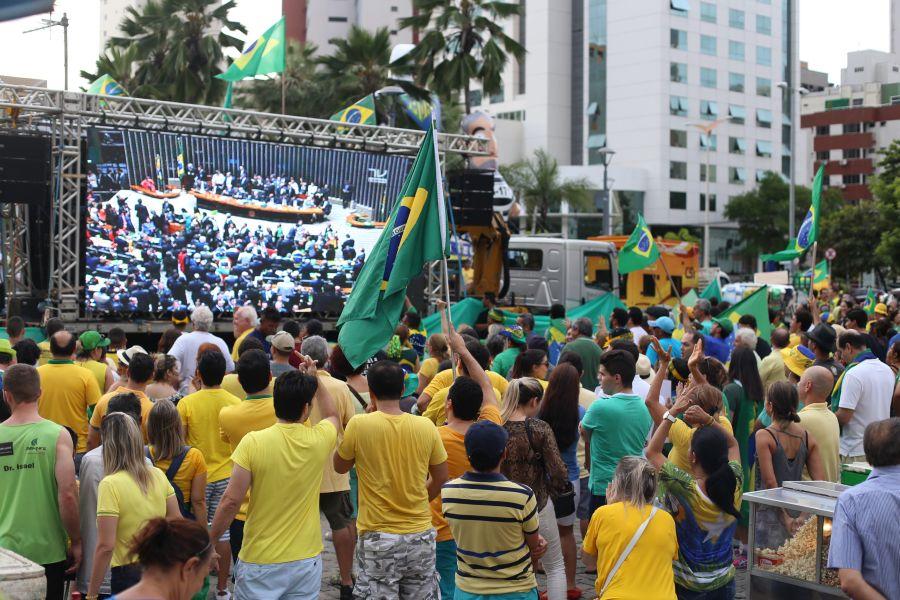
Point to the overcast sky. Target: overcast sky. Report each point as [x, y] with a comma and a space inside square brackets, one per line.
[828, 30]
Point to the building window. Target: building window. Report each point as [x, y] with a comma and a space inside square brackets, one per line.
[737, 175]
[394, 9]
[678, 200]
[712, 173]
[852, 153]
[678, 106]
[707, 77]
[678, 39]
[735, 50]
[337, 19]
[763, 87]
[735, 82]
[712, 202]
[763, 24]
[764, 118]
[735, 18]
[852, 179]
[709, 110]
[851, 128]
[708, 45]
[823, 155]
[858, 69]
[760, 175]
[823, 130]
[513, 115]
[856, 102]
[680, 7]
[677, 169]
[677, 138]
[764, 148]
[764, 56]
[708, 12]
[737, 113]
[709, 142]
[737, 145]
[678, 72]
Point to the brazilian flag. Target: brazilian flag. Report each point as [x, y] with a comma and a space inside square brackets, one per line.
[361, 112]
[809, 228]
[869, 302]
[639, 251]
[106, 86]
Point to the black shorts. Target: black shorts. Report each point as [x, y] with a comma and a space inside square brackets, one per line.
[337, 508]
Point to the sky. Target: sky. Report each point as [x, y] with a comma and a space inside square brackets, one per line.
[828, 30]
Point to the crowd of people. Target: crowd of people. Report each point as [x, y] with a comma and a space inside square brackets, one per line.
[452, 465]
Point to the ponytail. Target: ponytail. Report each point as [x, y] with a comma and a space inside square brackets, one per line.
[520, 391]
[710, 446]
[782, 395]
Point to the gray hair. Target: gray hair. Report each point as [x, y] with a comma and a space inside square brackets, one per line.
[745, 337]
[583, 326]
[703, 305]
[316, 348]
[202, 318]
[249, 312]
[634, 482]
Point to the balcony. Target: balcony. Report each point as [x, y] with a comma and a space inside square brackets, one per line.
[856, 191]
[848, 166]
[845, 141]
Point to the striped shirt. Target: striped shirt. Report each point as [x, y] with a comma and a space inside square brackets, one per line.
[865, 517]
[489, 517]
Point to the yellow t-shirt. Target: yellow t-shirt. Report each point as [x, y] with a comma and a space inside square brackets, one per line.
[67, 390]
[231, 385]
[647, 572]
[103, 402]
[45, 356]
[585, 399]
[393, 454]
[200, 414]
[436, 412]
[429, 367]
[332, 481]
[681, 434]
[285, 463]
[98, 370]
[237, 344]
[119, 495]
[823, 425]
[444, 379]
[193, 465]
[457, 464]
[255, 413]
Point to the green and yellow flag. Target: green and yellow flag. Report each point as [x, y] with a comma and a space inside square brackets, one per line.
[870, 302]
[416, 233]
[639, 251]
[821, 277]
[712, 290]
[361, 112]
[809, 228]
[264, 56]
[106, 86]
[756, 304]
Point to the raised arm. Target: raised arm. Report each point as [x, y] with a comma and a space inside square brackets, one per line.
[694, 361]
[656, 409]
[475, 371]
[658, 441]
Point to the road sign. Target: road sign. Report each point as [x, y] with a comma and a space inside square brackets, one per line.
[830, 254]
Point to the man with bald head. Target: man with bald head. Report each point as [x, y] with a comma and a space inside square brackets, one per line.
[68, 390]
[816, 417]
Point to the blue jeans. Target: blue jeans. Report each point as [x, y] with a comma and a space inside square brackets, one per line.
[726, 592]
[299, 579]
[445, 562]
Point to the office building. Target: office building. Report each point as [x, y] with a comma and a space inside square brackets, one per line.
[111, 14]
[318, 21]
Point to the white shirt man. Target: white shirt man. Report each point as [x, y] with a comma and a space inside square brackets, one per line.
[866, 392]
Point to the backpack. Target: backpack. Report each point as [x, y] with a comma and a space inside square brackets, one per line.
[177, 461]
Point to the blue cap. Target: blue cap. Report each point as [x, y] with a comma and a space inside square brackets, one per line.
[485, 442]
[664, 323]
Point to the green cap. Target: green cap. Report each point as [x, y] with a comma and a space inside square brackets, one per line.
[514, 333]
[91, 340]
[725, 323]
[6, 347]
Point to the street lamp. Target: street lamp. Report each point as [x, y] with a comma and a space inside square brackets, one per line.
[707, 129]
[606, 156]
[790, 91]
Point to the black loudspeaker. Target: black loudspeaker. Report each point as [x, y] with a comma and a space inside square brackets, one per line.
[24, 169]
[472, 196]
[39, 235]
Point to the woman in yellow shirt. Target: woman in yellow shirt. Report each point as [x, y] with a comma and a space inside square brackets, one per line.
[131, 494]
[166, 435]
[92, 356]
[438, 351]
[646, 571]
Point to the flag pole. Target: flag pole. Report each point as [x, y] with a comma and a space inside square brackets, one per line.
[283, 86]
[445, 277]
[812, 274]
[676, 293]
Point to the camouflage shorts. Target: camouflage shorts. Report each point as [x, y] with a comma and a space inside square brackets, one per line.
[396, 566]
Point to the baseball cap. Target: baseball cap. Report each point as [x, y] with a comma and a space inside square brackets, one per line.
[485, 442]
[125, 356]
[6, 348]
[664, 323]
[515, 333]
[725, 323]
[799, 359]
[881, 309]
[282, 341]
[91, 340]
[643, 367]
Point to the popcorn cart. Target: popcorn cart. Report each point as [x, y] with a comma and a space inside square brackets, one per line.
[790, 533]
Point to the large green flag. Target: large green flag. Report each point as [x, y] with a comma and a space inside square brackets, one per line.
[809, 228]
[264, 56]
[870, 302]
[639, 251]
[786, 255]
[416, 233]
[106, 86]
[362, 112]
[756, 304]
[712, 290]
[690, 299]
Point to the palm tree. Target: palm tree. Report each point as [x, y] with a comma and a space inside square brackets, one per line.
[463, 42]
[179, 47]
[538, 183]
[119, 63]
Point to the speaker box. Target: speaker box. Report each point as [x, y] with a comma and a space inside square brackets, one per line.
[24, 169]
[472, 196]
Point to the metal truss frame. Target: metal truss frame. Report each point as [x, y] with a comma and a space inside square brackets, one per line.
[63, 116]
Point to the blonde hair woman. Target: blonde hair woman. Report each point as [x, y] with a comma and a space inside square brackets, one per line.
[438, 351]
[166, 435]
[630, 516]
[128, 496]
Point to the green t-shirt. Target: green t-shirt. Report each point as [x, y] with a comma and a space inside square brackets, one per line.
[590, 353]
[619, 425]
[504, 361]
[30, 524]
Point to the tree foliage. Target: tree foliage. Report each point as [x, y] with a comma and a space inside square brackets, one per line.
[851, 230]
[886, 190]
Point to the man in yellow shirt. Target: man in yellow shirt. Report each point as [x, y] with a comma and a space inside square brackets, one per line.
[242, 323]
[334, 494]
[68, 391]
[200, 414]
[436, 411]
[816, 417]
[231, 382]
[140, 371]
[50, 328]
[395, 453]
[444, 379]
[282, 467]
